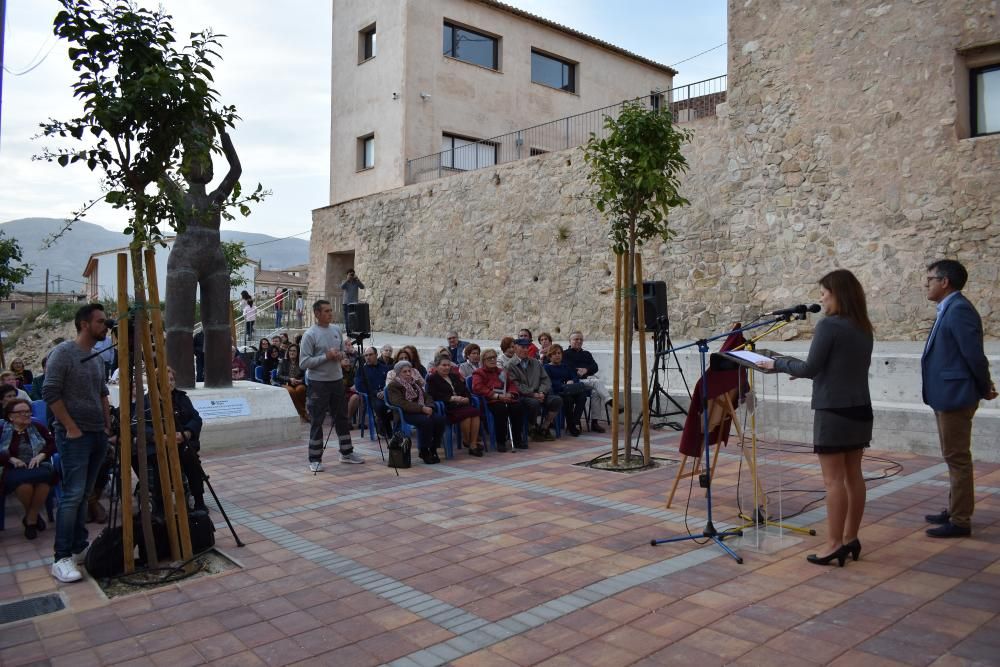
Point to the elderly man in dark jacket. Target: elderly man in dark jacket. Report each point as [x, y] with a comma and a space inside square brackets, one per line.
[370, 381]
[536, 390]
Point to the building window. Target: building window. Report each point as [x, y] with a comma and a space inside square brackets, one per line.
[554, 72]
[366, 44]
[984, 94]
[471, 46]
[657, 100]
[462, 153]
[366, 152]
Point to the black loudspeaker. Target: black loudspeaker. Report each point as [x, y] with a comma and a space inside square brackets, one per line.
[357, 318]
[654, 300]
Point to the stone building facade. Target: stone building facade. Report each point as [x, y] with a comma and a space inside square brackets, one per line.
[842, 143]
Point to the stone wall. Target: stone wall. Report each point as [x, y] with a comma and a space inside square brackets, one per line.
[837, 147]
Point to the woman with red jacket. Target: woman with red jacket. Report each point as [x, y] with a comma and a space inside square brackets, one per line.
[26, 449]
[502, 397]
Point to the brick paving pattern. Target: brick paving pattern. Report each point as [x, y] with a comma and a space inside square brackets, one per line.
[525, 559]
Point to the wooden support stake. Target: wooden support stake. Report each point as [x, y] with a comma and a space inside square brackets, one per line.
[125, 415]
[617, 362]
[172, 460]
[641, 310]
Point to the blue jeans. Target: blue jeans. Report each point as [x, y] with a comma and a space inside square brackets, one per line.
[81, 459]
[277, 318]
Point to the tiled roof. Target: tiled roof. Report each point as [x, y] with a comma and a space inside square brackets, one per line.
[575, 33]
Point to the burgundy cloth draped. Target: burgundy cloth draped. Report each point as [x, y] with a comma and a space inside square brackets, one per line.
[719, 382]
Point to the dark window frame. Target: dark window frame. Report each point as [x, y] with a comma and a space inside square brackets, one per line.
[565, 63]
[973, 89]
[367, 43]
[449, 50]
[362, 162]
[472, 142]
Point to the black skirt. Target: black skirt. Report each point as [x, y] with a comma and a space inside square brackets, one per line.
[837, 430]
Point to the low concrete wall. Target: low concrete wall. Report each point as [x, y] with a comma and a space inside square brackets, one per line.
[272, 417]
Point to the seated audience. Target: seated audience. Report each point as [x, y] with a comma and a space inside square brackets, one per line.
[566, 384]
[407, 394]
[446, 385]
[403, 355]
[415, 360]
[22, 375]
[536, 391]
[501, 396]
[385, 357]
[472, 353]
[36, 385]
[8, 392]
[544, 342]
[370, 380]
[270, 364]
[506, 355]
[456, 347]
[583, 363]
[261, 353]
[532, 348]
[10, 379]
[293, 379]
[26, 449]
[239, 366]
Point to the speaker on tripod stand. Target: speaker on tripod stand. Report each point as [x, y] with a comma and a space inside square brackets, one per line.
[661, 404]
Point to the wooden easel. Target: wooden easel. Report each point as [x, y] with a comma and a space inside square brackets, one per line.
[720, 408]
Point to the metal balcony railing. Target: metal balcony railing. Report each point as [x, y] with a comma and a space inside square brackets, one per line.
[686, 103]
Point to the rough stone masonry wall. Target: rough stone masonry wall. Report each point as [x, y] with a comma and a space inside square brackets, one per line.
[836, 148]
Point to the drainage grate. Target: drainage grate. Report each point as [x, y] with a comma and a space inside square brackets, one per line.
[22, 609]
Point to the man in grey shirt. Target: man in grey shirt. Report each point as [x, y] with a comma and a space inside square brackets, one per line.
[75, 391]
[320, 352]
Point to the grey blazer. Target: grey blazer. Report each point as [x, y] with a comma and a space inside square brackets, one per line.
[838, 363]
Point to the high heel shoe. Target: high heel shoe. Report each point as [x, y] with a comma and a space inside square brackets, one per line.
[840, 555]
[854, 548]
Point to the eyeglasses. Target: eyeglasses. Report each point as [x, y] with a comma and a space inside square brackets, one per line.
[20, 412]
[930, 278]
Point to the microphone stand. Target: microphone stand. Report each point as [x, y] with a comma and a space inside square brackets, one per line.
[710, 532]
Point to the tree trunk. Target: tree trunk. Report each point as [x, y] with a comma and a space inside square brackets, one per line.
[629, 301]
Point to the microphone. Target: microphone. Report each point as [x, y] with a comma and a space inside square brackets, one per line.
[800, 309]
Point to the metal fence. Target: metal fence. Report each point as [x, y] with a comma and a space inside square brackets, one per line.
[686, 103]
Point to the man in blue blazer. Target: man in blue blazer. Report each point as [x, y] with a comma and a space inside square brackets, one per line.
[956, 375]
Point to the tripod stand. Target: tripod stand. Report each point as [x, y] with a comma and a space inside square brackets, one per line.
[663, 349]
[710, 532]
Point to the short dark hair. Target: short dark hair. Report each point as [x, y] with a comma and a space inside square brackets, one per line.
[469, 349]
[318, 305]
[350, 270]
[952, 270]
[9, 406]
[7, 389]
[84, 314]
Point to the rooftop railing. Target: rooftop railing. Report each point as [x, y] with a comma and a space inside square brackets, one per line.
[686, 103]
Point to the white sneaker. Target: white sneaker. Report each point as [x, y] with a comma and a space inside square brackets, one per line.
[65, 571]
[353, 457]
[79, 558]
[316, 466]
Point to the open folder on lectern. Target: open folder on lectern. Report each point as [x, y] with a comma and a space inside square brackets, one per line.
[746, 358]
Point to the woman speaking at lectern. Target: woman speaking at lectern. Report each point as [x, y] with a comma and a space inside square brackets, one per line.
[838, 362]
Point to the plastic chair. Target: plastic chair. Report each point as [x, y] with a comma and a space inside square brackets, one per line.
[486, 427]
[369, 419]
[450, 432]
[38, 411]
[404, 427]
[258, 374]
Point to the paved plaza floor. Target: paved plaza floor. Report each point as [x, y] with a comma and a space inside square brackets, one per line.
[524, 558]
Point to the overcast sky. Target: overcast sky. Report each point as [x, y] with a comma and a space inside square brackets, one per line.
[276, 70]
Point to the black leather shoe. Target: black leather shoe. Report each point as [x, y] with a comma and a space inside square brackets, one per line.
[476, 451]
[943, 517]
[854, 548]
[840, 555]
[949, 530]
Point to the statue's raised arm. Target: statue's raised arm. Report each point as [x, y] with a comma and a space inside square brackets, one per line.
[235, 170]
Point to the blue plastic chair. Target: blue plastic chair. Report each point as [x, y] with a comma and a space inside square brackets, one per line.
[486, 427]
[39, 411]
[449, 432]
[408, 430]
[258, 374]
[369, 419]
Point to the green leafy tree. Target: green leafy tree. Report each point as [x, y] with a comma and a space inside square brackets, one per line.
[235, 253]
[635, 179]
[11, 275]
[143, 97]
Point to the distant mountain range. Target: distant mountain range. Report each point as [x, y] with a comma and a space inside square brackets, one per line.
[68, 256]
